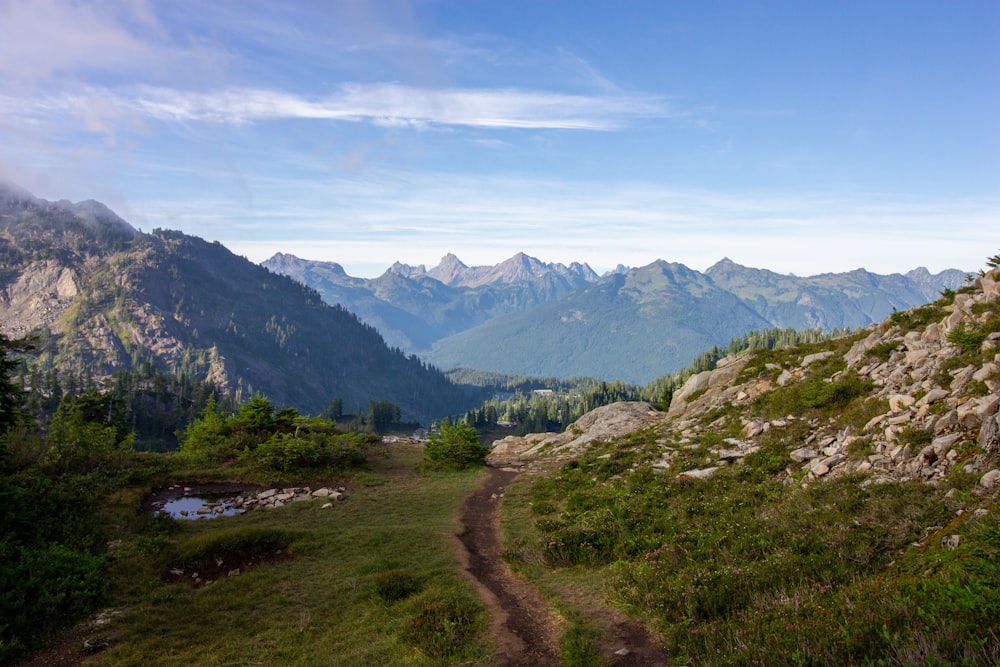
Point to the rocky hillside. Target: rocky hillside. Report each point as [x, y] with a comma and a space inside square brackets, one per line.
[103, 297]
[47, 249]
[914, 397]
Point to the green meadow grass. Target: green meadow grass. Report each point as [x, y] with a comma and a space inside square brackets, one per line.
[327, 604]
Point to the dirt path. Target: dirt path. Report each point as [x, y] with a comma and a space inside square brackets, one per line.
[526, 632]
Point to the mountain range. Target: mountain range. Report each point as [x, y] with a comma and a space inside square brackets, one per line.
[100, 297]
[103, 296]
[529, 317]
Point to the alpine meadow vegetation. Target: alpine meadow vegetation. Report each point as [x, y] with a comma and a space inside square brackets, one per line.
[768, 561]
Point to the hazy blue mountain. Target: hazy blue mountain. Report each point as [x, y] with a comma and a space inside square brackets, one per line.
[525, 316]
[830, 300]
[414, 307]
[632, 326]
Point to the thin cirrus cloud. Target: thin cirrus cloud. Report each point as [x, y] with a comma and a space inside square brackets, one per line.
[396, 104]
[381, 104]
[485, 221]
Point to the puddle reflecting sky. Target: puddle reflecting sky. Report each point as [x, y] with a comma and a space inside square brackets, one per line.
[188, 506]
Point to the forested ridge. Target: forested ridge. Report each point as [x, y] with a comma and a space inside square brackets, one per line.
[99, 298]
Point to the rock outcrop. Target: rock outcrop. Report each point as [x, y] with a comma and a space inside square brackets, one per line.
[604, 423]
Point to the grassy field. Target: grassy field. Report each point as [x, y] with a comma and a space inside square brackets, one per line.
[373, 580]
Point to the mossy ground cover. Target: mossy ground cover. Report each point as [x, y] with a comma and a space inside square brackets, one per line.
[372, 580]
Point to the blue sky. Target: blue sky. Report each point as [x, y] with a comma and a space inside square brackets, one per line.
[802, 137]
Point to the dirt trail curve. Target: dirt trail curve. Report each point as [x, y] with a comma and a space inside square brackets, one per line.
[525, 631]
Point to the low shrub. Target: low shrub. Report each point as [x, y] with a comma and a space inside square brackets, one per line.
[883, 350]
[42, 587]
[396, 585]
[718, 564]
[767, 461]
[915, 318]
[815, 393]
[444, 625]
[969, 340]
[915, 437]
[287, 451]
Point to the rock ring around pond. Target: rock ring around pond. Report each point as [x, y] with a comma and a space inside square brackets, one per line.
[216, 499]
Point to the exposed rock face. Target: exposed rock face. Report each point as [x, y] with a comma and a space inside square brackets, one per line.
[37, 297]
[939, 413]
[604, 423]
[718, 380]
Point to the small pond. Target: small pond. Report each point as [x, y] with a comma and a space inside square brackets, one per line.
[195, 507]
[212, 500]
[200, 501]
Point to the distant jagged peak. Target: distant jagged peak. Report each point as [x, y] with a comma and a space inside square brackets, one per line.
[517, 268]
[922, 274]
[449, 271]
[664, 265]
[281, 257]
[584, 270]
[727, 267]
[525, 269]
[407, 271]
[724, 263]
[654, 274]
[932, 283]
[289, 264]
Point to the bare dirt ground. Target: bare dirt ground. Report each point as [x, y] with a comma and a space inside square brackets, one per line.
[526, 631]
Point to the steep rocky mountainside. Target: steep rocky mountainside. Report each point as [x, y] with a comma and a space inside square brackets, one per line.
[47, 250]
[103, 297]
[913, 398]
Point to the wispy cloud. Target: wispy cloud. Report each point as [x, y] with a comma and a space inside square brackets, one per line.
[383, 104]
[48, 38]
[485, 220]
